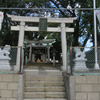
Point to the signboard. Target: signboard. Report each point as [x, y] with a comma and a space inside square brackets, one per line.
[1, 19]
[43, 24]
[98, 14]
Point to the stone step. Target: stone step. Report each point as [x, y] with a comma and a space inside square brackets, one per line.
[47, 99]
[45, 89]
[43, 78]
[43, 72]
[29, 95]
[44, 83]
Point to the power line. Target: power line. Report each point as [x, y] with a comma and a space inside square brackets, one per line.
[49, 8]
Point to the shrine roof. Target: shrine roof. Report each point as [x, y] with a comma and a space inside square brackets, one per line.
[44, 41]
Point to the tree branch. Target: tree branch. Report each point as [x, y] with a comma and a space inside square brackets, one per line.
[85, 41]
[57, 7]
[63, 4]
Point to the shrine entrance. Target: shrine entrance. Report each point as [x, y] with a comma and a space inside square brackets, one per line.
[62, 28]
[39, 50]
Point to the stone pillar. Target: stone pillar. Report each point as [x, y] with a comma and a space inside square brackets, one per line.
[20, 87]
[30, 53]
[20, 44]
[70, 87]
[33, 57]
[54, 60]
[64, 48]
[43, 57]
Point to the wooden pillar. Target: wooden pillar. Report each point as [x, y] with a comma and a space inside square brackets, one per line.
[20, 44]
[64, 48]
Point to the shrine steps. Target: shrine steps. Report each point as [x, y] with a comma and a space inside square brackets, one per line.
[48, 85]
[42, 72]
[41, 83]
[45, 89]
[44, 95]
[46, 99]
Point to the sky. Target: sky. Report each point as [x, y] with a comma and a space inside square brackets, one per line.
[88, 44]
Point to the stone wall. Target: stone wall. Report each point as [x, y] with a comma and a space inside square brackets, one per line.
[9, 86]
[83, 87]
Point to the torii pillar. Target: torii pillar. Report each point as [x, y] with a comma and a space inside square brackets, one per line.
[20, 43]
[64, 47]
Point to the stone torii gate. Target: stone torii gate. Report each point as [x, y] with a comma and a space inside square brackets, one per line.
[63, 29]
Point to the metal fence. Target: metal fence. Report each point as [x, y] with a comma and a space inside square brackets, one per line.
[82, 61]
[11, 59]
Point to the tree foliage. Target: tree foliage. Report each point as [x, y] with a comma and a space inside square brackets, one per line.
[83, 25]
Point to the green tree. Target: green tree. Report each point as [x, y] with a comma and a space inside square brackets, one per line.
[83, 25]
[6, 35]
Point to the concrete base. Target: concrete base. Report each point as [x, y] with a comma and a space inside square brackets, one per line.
[5, 67]
[96, 66]
[80, 68]
[63, 68]
[16, 68]
[4, 64]
[80, 65]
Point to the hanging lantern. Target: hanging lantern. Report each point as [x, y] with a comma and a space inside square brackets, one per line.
[1, 19]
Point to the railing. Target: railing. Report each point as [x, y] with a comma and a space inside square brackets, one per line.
[81, 61]
[10, 62]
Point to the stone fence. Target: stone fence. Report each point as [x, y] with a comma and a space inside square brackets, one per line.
[83, 87]
[10, 86]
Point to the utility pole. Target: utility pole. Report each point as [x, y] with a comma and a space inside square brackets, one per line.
[96, 66]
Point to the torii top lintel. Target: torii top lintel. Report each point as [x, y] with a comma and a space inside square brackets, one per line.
[36, 19]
